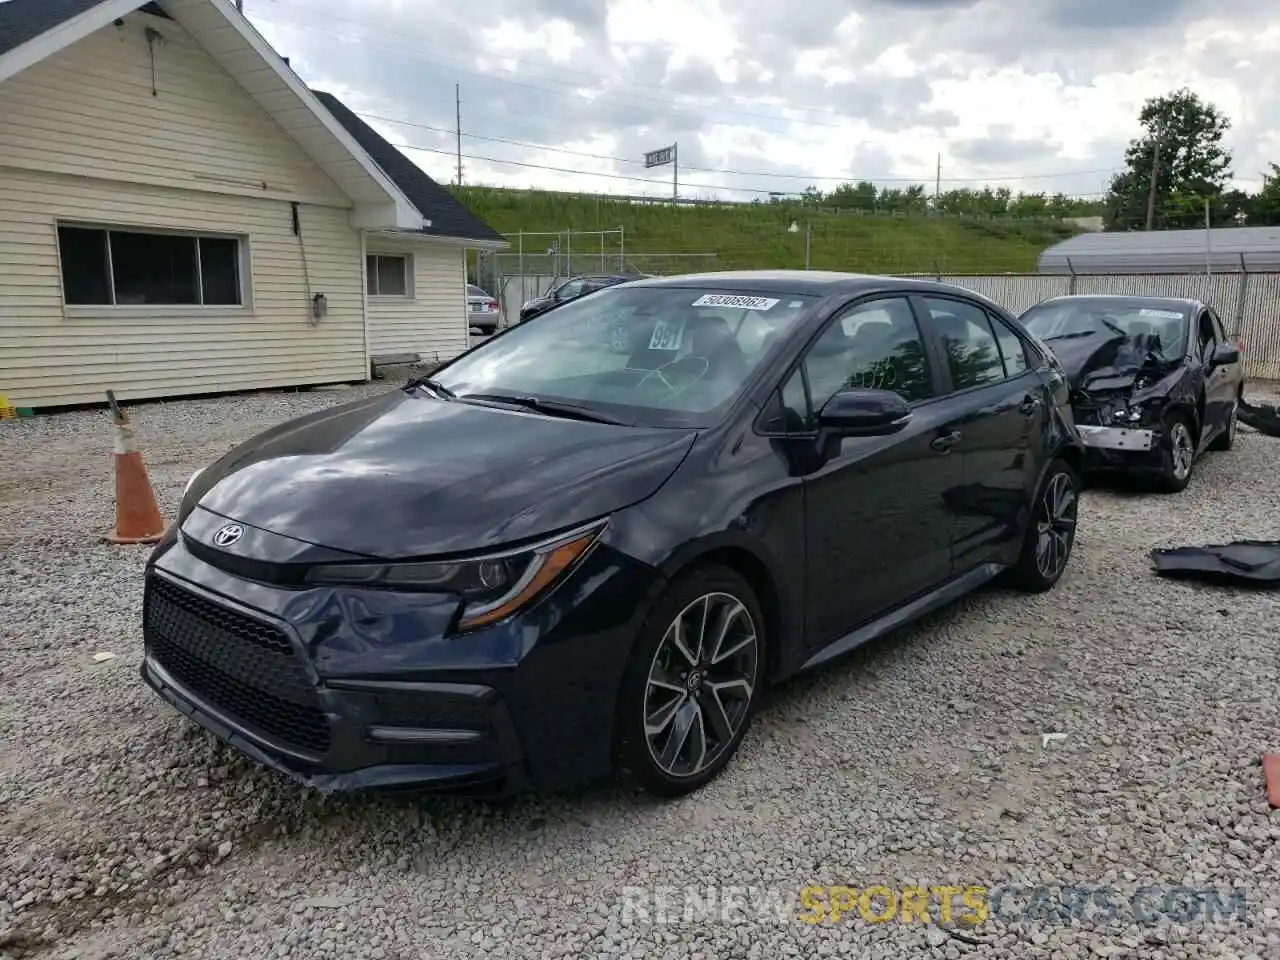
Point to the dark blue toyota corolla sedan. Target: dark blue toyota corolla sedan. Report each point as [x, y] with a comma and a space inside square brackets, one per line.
[589, 543]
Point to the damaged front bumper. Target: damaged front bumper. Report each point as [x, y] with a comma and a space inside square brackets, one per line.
[1118, 438]
[1136, 449]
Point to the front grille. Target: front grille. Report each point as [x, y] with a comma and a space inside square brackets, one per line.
[241, 665]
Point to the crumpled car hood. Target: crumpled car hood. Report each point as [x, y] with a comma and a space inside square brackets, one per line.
[1094, 364]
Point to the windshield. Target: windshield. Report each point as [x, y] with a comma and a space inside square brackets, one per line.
[1100, 318]
[652, 356]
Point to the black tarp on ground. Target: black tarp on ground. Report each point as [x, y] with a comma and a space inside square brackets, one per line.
[1245, 563]
[1263, 418]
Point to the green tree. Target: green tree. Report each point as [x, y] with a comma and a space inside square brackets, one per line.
[1263, 208]
[1182, 142]
[905, 201]
[854, 196]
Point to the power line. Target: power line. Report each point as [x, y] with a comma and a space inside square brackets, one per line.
[812, 178]
[587, 173]
[608, 176]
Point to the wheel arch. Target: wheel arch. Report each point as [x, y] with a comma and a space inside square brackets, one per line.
[1070, 454]
[748, 564]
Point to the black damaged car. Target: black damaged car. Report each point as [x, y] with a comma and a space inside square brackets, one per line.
[590, 542]
[1155, 382]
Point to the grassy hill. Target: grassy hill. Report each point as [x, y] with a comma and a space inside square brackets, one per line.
[749, 236]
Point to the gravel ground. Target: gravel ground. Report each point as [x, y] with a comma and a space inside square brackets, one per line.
[126, 832]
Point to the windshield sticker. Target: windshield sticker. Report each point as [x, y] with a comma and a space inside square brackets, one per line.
[1162, 314]
[793, 304]
[731, 300]
[667, 336]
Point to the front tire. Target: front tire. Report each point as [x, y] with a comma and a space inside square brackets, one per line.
[1179, 455]
[1051, 532]
[693, 683]
[1227, 438]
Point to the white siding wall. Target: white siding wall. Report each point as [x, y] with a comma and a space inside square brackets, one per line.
[83, 139]
[89, 110]
[431, 322]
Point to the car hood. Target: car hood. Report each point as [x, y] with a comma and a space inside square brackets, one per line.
[1108, 363]
[405, 475]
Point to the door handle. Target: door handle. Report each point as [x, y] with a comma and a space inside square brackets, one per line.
[945, 442]
[1029, 405]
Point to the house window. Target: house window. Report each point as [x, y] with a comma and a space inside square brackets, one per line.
[125, 268]
[388, 275]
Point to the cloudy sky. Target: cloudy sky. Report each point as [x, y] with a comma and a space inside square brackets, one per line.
[764, 96]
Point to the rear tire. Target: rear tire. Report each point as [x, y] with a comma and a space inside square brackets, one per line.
[1051, 531]
[693, 683]
[1179, 450]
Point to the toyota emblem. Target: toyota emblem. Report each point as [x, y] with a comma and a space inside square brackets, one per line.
[228, 535]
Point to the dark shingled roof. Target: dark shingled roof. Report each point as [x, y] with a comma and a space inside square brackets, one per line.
[448, 217]
[23, 20]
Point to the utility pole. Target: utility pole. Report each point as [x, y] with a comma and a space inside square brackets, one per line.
[457, 107]
[1208, 241]
[1155, 176]
[239, 6]
[937, 182]
[675, 171]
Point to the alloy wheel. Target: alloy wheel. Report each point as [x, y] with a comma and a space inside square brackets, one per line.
[1056, 525]
[700, 684]
[1181, 449]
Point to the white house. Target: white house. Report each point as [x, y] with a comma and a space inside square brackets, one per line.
[180, 214]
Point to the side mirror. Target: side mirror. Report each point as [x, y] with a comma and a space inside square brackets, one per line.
[864, 413]
[1224, 354]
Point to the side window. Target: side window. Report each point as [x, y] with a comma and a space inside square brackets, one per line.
[570, 289]
[1012, 349]
[788, 409]
[877, 346]
[795, 403]
[1218, 332]
[1206, 333]
[972, 353]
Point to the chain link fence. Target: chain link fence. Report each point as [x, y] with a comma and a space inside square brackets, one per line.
[538, 260]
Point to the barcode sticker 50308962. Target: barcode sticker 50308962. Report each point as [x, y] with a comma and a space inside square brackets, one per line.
[735, 300]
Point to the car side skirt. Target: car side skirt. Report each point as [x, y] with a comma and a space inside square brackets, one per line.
[939, 597]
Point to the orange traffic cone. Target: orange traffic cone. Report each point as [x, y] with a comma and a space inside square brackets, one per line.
[1271, 774]
[138, 517]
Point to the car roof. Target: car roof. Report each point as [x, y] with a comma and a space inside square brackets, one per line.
[817, 282]
[1137, 300]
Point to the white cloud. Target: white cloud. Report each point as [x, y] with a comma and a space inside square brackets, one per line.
[790, 94]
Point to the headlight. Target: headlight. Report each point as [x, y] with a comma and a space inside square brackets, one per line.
[492, 587]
